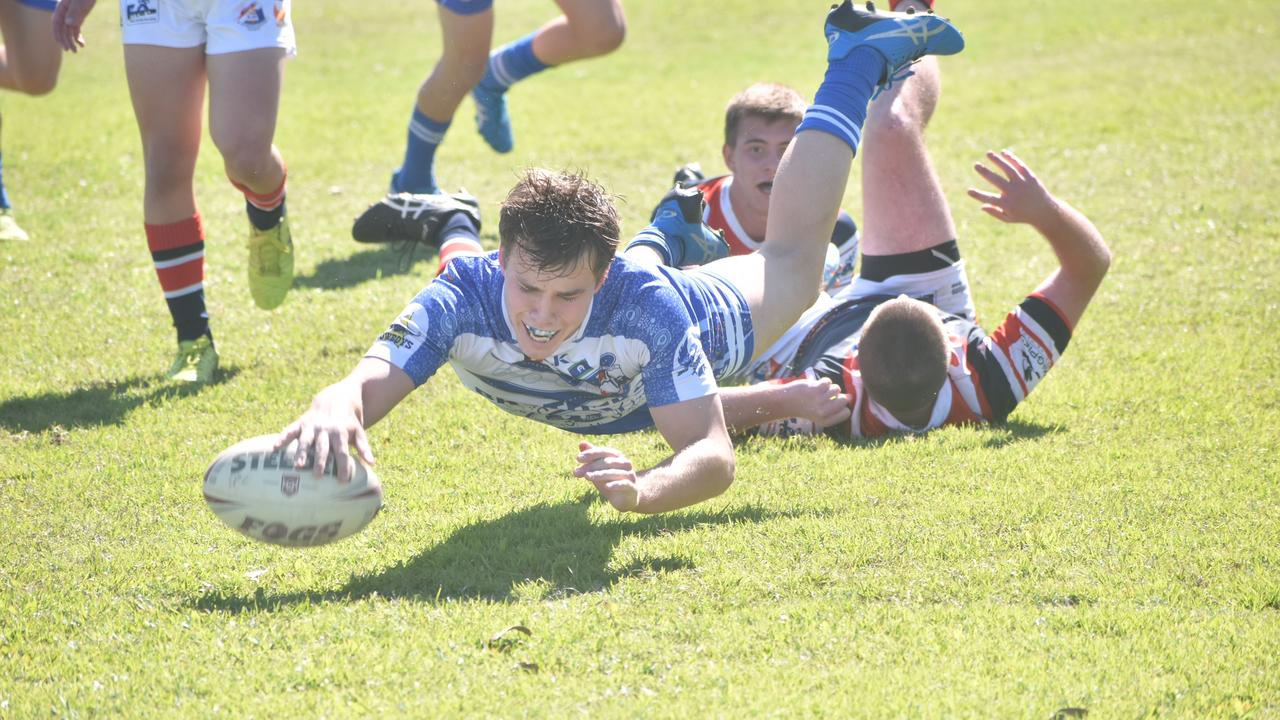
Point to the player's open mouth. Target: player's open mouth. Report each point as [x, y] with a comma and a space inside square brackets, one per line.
[539, 335]
[765, 187]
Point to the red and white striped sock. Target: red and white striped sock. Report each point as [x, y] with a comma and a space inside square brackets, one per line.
[177, 251]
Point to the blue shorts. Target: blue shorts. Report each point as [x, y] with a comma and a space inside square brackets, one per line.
[466, 7]
[47, 5]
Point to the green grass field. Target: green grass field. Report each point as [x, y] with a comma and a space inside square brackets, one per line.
[1114, 547]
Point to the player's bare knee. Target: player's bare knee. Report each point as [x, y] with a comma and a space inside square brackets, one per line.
[600, 37]
[246, 161]
[37, 83]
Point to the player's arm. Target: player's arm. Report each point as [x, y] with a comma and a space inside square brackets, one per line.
[1083, 256]
[701, 468]
[339, 414]
[817, 400]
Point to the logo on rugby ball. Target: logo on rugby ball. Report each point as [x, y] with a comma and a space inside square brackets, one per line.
[289, 485]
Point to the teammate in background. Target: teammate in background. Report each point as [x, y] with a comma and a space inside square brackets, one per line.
[555, 328]
[411, 210]
[901, 344]
[171, 49]
[758, 125]
[29, 63]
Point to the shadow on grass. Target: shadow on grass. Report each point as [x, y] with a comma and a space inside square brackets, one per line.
[378, 261]
[557, 546]
[96, 404]
[1015, 431]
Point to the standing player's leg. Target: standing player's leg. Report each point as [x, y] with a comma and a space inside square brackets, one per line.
[466, 37]
[415, 208]
[166, 86]
[29, 63]
[244, 101]
[587, 29]
[866, 49]
[907, 229]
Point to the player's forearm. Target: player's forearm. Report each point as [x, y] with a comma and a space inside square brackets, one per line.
[750, 406]
[699, 472]
[373, 388]
[1081, 251]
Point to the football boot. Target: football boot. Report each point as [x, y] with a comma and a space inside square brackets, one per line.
[270, 264]
[9, 229]
[902, 38]
[677, 232]
[412, 217]
[492, 119]
[196, 361]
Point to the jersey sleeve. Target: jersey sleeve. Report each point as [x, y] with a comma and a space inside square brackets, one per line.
[677, 368]
[418, 341]
[1012, 361]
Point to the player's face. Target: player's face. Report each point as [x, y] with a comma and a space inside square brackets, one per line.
[545, 307]
[754, 159]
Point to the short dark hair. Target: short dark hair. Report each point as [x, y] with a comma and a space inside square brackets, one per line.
[559, 219]
[902, 355]
[768, 101]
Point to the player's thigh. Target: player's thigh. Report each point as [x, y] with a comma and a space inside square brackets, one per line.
[166, 86]
[244, 99]
[32, 58]
[774, 302]
[599, 16]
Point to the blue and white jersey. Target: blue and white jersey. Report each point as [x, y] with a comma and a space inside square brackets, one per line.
[653, 336]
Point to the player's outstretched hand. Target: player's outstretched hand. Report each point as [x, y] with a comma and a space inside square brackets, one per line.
[330, 424]
[612, 474]
[68, 18]
[1021, 197]
[818, 400]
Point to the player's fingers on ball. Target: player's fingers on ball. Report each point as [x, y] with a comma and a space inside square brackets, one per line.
[322, 452]
[306, 438]
[363, 447]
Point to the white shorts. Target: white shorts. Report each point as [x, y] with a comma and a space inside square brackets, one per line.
[946, 289]
[221, 26]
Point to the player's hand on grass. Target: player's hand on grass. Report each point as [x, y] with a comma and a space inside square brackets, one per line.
[68, 18]
[330, 424]
[1021, 197]
[818, 400]
[612, 474]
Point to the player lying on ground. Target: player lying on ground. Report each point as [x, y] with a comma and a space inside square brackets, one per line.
[171, 51]
[553, 327]
[586, 29]
[29, 63]
[899, 349]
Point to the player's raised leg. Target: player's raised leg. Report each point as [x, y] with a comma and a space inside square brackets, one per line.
[907, 225]
[29, 63]
[244, 101]
[866, 49]
[167, 89]
[588, 28]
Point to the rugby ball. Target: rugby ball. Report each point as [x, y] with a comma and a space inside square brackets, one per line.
[258, 492]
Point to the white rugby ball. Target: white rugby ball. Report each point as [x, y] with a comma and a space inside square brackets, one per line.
[260, 493]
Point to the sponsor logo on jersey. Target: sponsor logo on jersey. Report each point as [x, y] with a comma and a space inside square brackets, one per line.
[1033, 361]
[141, 12]
[250, 15]
[401, 332]
[282, 15]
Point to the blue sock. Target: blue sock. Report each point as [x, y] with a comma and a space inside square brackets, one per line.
[512, 63]
[840, 106]
[4, 196]
[417, 174]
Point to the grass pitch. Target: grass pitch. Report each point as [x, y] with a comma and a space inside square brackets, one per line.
[1115, 547]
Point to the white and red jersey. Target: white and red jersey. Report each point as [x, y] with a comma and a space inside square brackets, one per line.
[987, 376]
